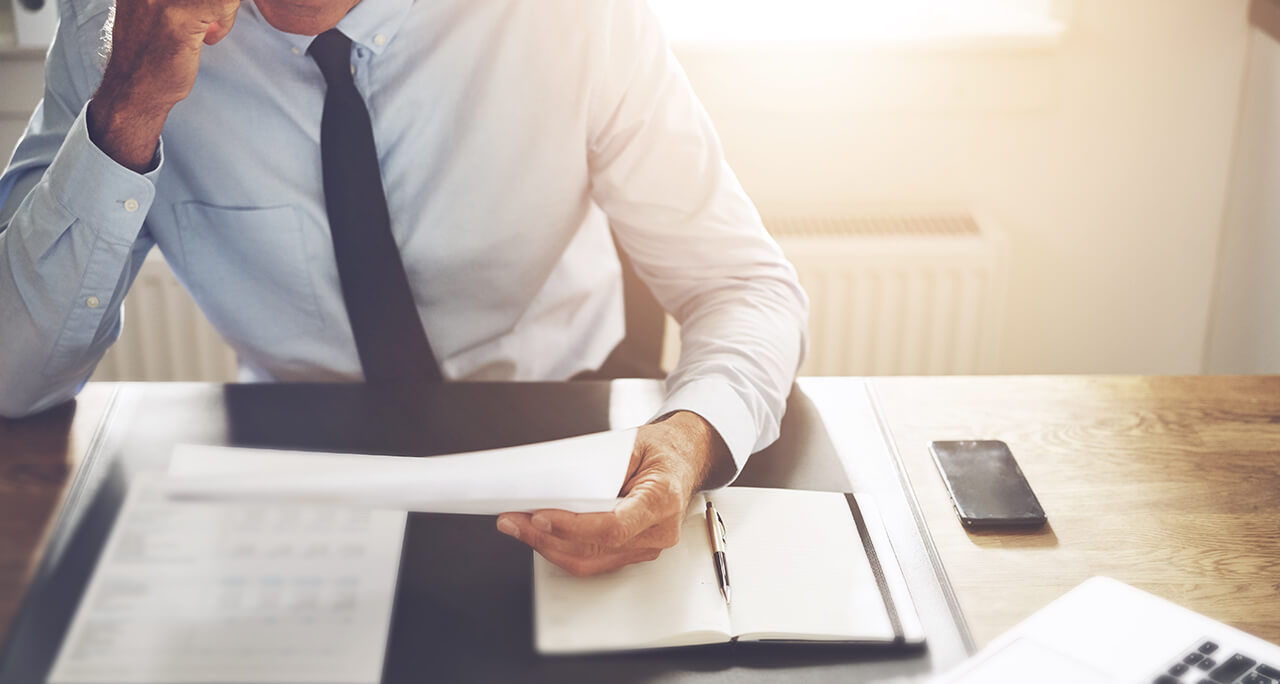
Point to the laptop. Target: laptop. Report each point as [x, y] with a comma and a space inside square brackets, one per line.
[1107, 632]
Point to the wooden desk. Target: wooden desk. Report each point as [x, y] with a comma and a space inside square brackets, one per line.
[1170, 484]
[38, 457]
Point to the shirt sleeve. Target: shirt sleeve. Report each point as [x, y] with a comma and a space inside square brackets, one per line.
[71, 238]
[659, 173]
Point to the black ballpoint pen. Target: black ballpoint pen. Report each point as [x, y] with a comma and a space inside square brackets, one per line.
[715, 528]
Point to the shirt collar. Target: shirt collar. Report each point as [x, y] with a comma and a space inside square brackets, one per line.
[371, 23]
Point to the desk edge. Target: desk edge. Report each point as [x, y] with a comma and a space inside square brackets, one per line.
[944, 582]
[61, 532]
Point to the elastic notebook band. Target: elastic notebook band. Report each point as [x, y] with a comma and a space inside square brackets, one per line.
[898, 636]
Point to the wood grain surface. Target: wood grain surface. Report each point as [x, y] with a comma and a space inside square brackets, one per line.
[38, 457]
[1171, 484]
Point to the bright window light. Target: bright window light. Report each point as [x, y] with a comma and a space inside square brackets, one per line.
[859, 20]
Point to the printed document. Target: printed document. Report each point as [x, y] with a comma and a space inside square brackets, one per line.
[197, 592]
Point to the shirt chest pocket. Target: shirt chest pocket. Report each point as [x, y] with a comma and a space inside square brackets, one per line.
[250, 271]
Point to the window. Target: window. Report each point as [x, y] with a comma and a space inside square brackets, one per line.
[873, 21]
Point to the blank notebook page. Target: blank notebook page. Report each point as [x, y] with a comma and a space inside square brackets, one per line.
[671, 601]
[798, 568]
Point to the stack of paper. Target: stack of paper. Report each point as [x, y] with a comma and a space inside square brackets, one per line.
[201, 592]
[250, 565]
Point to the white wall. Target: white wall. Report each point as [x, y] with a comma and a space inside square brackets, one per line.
[1245, 332]
[21, 87]
[1106, 158]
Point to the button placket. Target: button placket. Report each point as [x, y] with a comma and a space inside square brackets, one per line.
[360, 57]
[84, 320]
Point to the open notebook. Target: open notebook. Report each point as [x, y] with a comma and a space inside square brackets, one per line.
[803, 566]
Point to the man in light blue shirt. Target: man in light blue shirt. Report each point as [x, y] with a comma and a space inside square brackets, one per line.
[511, 135]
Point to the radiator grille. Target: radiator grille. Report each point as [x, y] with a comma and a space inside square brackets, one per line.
[921, 225]
[899, 294]
[904, 293]
[165, 336]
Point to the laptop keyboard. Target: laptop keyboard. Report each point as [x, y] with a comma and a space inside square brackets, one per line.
[1205, 663]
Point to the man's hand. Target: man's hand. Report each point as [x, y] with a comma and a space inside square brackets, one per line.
[671, 461]
[155, 54]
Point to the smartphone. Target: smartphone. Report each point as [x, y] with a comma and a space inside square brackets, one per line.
[986, 484]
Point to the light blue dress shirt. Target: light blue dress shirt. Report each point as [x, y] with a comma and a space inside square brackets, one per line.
[511, 134]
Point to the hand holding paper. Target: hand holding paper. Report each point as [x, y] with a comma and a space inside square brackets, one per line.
[671, 461]
[558, 497]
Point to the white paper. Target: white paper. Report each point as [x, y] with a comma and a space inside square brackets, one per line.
[579, 474]
[798, 567]
[200, 592]
[798, 571]
[674, 600]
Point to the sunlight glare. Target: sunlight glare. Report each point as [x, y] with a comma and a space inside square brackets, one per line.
[824, 20]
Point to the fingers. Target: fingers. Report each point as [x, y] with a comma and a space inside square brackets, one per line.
[155, 57]
[584, 558]
[224, 20]
[661, 536]
[644, 506]
[609, 530]
[650, 500]
[585, 567]
[664, 469]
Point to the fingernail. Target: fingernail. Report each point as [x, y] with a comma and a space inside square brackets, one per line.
[541, 522]
[508, 528]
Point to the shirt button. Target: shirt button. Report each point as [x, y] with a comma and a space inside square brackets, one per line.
[92, 302]
[379, 39]
[295, 50]
[131, 205]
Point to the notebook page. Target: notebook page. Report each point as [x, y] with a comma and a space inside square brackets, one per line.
[797, 567]
[199, 592]
[671, 601]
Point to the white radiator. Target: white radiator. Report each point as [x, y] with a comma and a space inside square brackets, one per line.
[165, 336]
[907, 294]
[900, 294]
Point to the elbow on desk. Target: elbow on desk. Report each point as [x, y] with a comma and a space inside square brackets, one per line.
[31, 383]
[14, 406]
[17, 401]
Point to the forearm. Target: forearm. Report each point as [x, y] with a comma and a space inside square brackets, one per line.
[68, 250]
[126, 130]
[715, 464]
[51, 341]
[741, 345]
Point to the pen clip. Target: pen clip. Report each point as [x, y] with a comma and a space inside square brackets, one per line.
[720, 529]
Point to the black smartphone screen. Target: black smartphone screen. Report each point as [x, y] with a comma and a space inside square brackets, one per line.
[986, 484]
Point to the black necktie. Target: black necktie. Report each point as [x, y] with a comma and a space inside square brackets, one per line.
[389, 336]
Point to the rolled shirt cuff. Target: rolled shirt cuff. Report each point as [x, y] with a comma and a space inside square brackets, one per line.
[96, 189]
